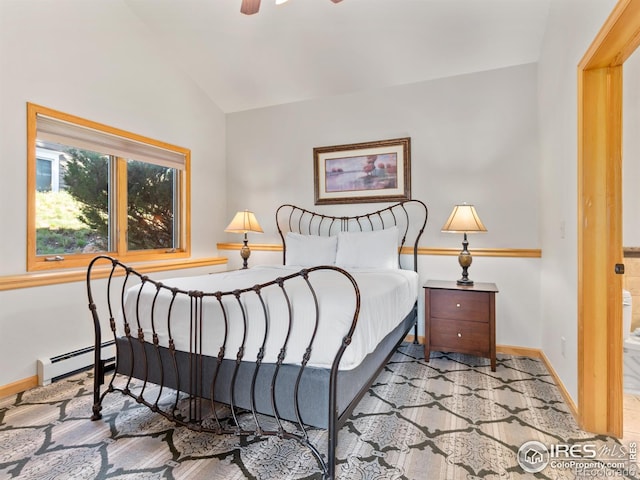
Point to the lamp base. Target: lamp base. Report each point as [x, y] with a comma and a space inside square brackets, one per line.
[465, 259]
[245, 253]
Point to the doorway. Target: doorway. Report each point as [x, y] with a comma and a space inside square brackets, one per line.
[600, 220]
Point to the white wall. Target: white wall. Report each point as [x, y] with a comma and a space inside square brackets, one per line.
[631, 151]
[572, 26]
[95, 60]
[474, 138]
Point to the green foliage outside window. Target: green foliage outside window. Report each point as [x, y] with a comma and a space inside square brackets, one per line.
[86, 176]
[149, 206]
[76, 218]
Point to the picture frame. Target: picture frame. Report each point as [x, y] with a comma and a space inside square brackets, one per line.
[378, 171]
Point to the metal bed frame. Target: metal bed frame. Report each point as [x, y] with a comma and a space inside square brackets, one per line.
[193, 378]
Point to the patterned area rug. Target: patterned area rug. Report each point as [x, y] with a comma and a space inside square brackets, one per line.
[451, 418]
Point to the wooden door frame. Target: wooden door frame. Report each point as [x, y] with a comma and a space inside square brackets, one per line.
[600, 220]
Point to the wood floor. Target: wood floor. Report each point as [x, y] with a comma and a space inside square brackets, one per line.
[631, 408]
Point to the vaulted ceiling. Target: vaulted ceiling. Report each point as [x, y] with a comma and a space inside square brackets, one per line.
[306, 49]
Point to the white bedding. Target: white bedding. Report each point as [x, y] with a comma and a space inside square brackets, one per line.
[387, 296]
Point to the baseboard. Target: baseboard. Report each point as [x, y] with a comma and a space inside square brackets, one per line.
[31, 382]
[537, 353]
[563, 391]
[409, 339]
[519, 351]
[531, 353]
[19, 386]
[505, 349]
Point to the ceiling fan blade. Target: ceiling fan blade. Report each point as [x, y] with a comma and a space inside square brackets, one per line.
[249, 7]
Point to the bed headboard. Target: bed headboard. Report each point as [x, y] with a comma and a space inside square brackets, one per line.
[409, 216]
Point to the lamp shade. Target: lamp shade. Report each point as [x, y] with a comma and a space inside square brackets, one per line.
[464, 219]
[243, 222]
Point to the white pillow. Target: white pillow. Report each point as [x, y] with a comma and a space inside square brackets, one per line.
[310, 250]
[377, 249]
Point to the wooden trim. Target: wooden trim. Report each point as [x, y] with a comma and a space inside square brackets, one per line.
[185, 214]
[75, 260]
[66, 117]
[31, 382]
[600, 219]
[617, 39]
[600, 248]
[27, 280]
[519, 351]
[257, 247]
[631, 252]
[121, 206]
[563, 391]
[531, 353]
[409, 339]
[19, 386]
[537, 353]
[31, 185]
[479, 252]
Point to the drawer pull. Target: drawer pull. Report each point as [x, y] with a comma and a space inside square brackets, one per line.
[457, 305]
[459, 335]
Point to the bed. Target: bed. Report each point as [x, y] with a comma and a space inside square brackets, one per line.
[289, 347]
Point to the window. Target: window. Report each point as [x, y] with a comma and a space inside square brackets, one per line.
[96, 189]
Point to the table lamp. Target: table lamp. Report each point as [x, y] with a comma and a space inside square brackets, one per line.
[244, 222]
[464, 219]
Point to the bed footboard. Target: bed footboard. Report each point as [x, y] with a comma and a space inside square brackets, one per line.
[188, 386]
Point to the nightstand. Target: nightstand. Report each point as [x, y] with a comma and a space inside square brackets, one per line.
[460, 319]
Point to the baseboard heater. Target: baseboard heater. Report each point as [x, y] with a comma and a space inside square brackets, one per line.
[60, 366]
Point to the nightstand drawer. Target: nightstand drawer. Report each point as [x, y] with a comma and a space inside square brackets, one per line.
[472, 337]
[460, 318]
[456, 304]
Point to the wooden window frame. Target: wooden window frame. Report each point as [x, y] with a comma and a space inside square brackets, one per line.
[79, 260]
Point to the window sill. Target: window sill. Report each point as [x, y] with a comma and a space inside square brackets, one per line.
[27, 280]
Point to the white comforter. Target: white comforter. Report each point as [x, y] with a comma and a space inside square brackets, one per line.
[387, 296]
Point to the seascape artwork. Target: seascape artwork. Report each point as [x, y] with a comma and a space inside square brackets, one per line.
[378, 171]
[365, 172]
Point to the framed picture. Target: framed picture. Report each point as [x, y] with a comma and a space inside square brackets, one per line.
[363, 172]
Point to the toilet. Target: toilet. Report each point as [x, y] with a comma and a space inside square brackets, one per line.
[631, 348]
